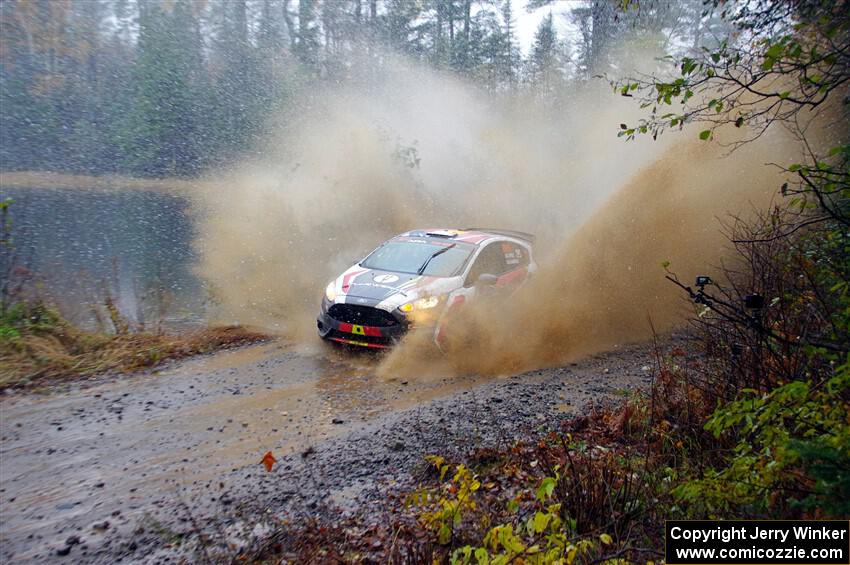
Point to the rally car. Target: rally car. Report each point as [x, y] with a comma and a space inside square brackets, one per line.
[420, 279]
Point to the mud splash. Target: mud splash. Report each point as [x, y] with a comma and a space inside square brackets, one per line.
[416, 148]
[420, 149]
[605, 287]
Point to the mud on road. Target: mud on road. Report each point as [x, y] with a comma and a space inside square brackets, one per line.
[127, 470]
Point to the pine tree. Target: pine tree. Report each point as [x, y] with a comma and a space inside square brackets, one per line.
[545, 64]
[510, 55]
[307, 41]
[401, 28]
[162, 137]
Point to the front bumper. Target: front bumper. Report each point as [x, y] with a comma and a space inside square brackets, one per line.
[363, 335]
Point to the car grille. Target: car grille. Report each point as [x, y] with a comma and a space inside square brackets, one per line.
[361, 315]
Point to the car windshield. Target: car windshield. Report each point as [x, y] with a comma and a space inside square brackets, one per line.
[410, 256]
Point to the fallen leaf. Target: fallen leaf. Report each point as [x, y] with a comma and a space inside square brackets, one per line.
[268, 461]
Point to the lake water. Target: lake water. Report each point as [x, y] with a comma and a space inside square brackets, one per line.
[133, 245]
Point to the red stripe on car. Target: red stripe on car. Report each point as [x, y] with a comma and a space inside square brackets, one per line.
[371, 331]
[346, 280]
[513, 276]
[473, 238]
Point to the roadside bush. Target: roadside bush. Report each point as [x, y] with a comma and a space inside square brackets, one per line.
[775, 335]
[792, 457]
[581, 495]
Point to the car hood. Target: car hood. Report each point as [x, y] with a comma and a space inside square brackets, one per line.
[387, 289]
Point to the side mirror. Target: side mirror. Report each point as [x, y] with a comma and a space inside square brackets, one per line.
[487, 279]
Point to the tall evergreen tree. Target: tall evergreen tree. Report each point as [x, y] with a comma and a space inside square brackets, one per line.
[162, 137]
[545, 64]
[510, 53]
[400, 27]
[307, 42]
[165, 87]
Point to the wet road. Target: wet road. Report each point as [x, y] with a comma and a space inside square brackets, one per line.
[101, 459]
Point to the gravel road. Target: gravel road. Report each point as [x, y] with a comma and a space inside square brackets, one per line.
[125, 469]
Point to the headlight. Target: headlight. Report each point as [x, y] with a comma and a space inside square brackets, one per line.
[330, 291]
[421, 304]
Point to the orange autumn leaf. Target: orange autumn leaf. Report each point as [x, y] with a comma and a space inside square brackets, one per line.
[268, 461]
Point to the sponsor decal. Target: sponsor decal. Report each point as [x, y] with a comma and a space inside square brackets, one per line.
[373, 286]
[386, 278]
[513, 254]
[360, 343]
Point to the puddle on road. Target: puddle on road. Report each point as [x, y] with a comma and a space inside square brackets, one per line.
[232, 359]
[153, 436]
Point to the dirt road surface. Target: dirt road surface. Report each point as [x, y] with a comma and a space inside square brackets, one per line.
[127, 469]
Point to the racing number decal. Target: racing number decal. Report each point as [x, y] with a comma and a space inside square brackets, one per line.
[355, 329]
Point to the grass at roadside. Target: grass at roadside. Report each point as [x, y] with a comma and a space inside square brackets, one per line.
[38, 347]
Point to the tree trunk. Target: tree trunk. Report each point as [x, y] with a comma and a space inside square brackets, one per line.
[599, 33]
[290, 25]
[240, 22]
[438, 41]
[467, 16]
[451, 23]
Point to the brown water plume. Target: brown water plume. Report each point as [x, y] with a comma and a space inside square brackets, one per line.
[605, 286]
[418, 148]
[355, 165]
